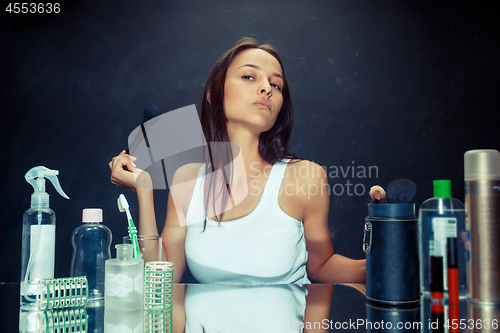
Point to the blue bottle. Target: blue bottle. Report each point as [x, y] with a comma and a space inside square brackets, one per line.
[91, 248]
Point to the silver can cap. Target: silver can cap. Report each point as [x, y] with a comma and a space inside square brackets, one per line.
[482, 164]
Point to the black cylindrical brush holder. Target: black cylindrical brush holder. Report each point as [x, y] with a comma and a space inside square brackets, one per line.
[391, 246]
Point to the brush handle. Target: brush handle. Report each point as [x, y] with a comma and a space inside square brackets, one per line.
[132, 231]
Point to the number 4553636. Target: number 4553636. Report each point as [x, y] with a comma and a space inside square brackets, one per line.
[38, 8]
[472, 324]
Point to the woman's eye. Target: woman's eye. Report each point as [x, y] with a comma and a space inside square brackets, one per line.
[274, 85]
[247, 77]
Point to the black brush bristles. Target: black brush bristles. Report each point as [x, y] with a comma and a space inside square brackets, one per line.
[401, 190]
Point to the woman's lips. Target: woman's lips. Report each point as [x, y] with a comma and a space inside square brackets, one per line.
[263, 105]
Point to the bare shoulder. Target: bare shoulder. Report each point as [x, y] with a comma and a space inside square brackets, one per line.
[304, 185]
[186, 173]
[305, 171]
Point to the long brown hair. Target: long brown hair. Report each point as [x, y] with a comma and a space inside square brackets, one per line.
[273, 144]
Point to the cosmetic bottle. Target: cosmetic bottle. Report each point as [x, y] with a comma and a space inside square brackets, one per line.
[440, 218]
[39, 234]
[482, 198]
[91, 248]
[124, 279]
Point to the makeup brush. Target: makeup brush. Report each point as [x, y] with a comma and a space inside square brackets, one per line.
[377, 194]
[401, 190]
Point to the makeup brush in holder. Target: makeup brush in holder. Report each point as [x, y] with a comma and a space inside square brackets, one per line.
[391, 246]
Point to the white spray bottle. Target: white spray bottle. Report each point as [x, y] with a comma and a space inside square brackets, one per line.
[39, 234]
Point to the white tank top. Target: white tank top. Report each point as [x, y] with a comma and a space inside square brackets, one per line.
[265, 246]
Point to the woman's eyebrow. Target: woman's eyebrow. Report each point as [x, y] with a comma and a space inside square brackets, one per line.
[258, 68]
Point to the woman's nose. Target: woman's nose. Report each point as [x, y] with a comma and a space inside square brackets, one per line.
[266, 89]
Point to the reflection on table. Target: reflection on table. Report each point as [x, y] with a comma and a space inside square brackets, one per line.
[258, 308]
[439, 316]
[201, 308]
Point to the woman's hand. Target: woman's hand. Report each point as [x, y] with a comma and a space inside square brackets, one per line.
[125, 173]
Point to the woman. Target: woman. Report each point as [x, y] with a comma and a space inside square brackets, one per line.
[274, 234]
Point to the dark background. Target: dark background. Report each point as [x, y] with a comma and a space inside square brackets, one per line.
[406, 86]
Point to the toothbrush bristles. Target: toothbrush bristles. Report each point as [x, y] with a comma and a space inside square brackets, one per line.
[120, 208]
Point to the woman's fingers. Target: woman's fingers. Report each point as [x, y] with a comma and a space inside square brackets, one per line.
[125, 173]
[122, 170]
[123, 161]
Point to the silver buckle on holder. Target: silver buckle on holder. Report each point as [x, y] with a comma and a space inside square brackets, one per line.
[367, 238]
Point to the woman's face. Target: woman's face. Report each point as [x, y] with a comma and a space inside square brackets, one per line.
[252, 90]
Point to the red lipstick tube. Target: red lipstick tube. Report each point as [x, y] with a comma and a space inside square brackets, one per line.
[453, 287]
[437, 288]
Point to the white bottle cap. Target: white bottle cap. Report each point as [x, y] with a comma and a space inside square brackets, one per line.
[92, 215]
[482, 164]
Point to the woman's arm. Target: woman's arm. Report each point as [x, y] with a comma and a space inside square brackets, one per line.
[124, 173]
[174, 231]
[174, 239]
[323, 264]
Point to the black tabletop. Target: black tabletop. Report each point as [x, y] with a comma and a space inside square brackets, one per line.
[258, 308]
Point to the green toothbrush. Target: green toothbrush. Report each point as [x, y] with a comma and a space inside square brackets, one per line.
[132, 230]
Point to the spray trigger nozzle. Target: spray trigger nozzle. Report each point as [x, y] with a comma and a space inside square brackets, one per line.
[36, 177]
